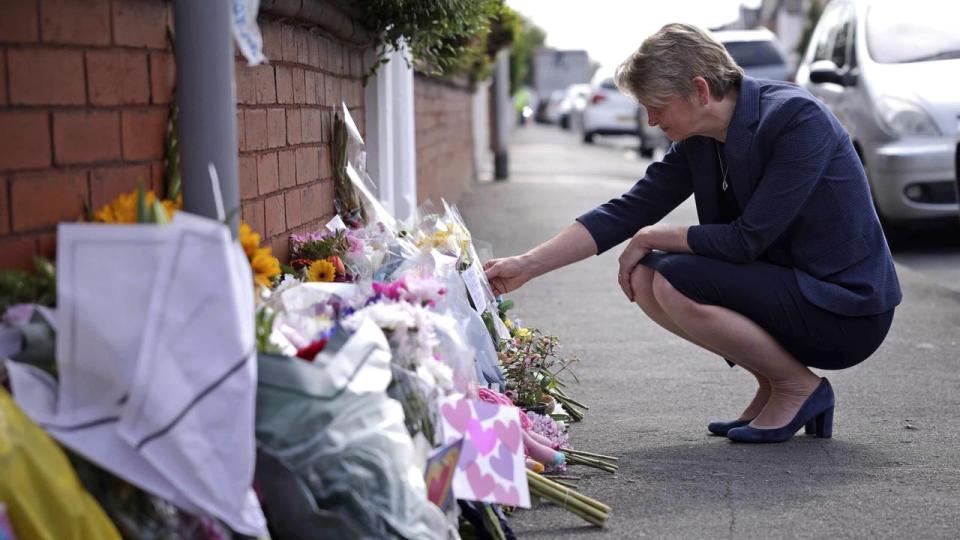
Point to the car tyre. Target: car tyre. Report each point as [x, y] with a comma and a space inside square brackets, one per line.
[588, 137]
[646, 153]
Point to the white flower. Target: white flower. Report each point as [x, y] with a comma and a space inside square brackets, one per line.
[289, 280]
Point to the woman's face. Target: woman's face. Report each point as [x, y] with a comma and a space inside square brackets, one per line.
[679, 117]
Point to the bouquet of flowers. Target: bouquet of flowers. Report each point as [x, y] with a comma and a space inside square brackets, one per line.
[534, 372]
[319, 256]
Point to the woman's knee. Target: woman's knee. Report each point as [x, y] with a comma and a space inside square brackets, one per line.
[668, 296]
[641, 281]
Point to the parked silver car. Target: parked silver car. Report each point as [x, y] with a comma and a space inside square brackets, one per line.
[889, 71]
[610, 112]
[758, 52]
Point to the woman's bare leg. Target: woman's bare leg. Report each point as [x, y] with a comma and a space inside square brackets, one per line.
[737, 337]
[642, 282]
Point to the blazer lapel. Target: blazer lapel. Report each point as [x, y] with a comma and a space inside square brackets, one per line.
[739, 137]
[705, 181]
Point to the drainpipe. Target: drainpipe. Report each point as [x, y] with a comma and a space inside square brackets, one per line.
[207, 100]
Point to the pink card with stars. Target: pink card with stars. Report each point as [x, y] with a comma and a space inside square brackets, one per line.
[491, 465]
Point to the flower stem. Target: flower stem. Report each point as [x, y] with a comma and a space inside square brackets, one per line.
[590, 462]
[589, 454]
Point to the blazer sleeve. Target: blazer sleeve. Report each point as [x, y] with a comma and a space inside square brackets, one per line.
[801, 153]
[665, 185]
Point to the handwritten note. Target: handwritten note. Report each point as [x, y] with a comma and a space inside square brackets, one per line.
[473, 278]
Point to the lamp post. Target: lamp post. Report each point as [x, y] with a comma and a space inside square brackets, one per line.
[207, 101]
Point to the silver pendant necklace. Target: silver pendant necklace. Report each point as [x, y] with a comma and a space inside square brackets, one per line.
[723, 170]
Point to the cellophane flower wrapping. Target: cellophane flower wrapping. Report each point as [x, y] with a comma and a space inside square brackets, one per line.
[332, 424]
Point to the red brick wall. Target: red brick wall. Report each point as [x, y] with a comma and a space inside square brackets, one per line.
[85, 87]
[285, 110]
[84, 94]
[444, 139]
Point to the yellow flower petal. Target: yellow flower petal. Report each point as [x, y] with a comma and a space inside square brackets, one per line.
[322, 271]
[265, 267]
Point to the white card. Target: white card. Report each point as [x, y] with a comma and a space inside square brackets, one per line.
[503, 333]
[336, 224]
[473, 277]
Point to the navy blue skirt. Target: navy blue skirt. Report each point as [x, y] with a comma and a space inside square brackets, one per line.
[769, 295]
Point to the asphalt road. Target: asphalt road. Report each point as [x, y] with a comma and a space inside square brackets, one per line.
[892, 469]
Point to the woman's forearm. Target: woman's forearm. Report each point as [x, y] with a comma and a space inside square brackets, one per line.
[669, 238]
[572, 244]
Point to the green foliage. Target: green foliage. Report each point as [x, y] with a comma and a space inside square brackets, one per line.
[328, 246]
[171, 142]
[171, 153]
[529, 38]
[533, 367]
[19, 287]
[445, 37]
[263, 324]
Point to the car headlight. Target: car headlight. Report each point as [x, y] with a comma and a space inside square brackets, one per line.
[903, 118]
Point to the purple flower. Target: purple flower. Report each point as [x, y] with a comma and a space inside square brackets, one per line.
[354, 244]
[546, 426]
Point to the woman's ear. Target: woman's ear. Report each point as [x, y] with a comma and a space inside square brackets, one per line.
[702, 90]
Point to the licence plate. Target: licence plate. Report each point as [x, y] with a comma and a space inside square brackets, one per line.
[626, 119]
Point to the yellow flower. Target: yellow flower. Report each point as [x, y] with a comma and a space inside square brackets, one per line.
[523, 332]
[123, 209]
[265, 267]
[508, 323]
[440, 238]
[322, 270]
[249, 240]
[172, 206]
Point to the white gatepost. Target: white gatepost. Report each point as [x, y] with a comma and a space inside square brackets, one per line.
[391, 135]
[480, 111]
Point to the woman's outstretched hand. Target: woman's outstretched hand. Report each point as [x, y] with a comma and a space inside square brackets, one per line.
[507, 274]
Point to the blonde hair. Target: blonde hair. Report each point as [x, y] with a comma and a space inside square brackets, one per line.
[666, 63]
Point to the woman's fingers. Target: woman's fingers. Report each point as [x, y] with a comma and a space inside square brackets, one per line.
[492, 271]
[625, 286]
[629, 260]
[499, 272]
[623, 278]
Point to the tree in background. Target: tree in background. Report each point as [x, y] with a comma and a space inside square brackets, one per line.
[438, 34]
[529, 38]
[453, 38]
[813, 15]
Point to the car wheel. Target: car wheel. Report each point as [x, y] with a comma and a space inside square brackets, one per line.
[588, 137]
[646, 153]
[565, 121]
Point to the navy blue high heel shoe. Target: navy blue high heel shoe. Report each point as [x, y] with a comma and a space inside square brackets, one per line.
[816, 415]
[721, 428]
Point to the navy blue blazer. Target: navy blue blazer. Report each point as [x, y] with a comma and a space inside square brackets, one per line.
[805, 199]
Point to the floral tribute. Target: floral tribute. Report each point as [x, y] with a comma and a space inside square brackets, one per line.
[141, 206]
[379, 346]
[264, 265]
[319, 256]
